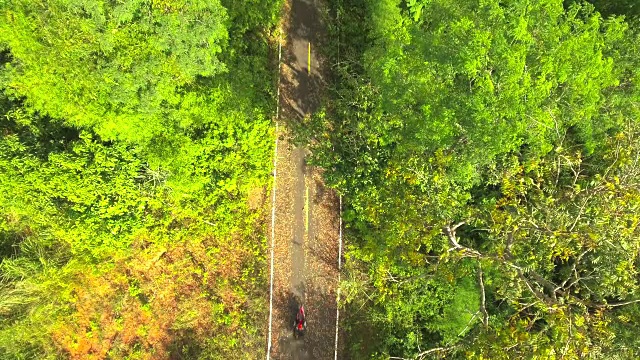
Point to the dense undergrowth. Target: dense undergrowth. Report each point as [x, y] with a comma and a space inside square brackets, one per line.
[134, 157]
[488, 154]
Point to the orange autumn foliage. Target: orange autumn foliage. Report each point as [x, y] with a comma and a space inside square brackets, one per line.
[146, 303]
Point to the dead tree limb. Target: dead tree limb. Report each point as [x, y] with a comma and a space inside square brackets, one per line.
[483, 300]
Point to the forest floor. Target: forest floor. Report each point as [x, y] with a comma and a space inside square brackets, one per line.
[306, 212]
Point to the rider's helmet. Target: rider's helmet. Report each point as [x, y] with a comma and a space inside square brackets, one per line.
[300, 326]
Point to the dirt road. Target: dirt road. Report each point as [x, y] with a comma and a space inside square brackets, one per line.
[307, 216]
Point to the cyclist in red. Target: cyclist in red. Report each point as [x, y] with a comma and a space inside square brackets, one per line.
[301, 322]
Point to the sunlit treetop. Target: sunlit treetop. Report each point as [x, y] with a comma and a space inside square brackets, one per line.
[118, 67]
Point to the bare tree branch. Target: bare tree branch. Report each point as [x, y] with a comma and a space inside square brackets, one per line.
[620, 303]
[468, 323]
[423, 354]
[483, 301]
[467, 252]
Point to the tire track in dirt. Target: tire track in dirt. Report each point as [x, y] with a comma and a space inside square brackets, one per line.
[307, 214]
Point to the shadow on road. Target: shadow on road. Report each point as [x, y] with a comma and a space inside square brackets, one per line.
[317, 341]
[310, 226]
[291, 346]
[301, 88]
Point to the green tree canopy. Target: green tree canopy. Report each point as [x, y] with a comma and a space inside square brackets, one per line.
[488, 146]
[121, 68]
[132, 136]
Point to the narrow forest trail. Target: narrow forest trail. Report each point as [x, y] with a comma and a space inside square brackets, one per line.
[306, 213]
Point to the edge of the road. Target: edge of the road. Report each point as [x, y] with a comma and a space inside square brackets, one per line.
[339, 272]
[273, 199]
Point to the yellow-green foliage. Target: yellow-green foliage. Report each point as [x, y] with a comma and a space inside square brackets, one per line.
[121, 68]
[135, 153]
